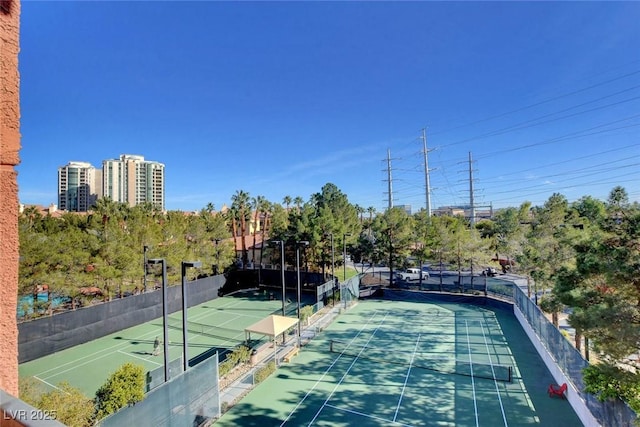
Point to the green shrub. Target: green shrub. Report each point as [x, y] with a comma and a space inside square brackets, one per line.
[67, 404]
[305, 313]
[30, 390]
[70, 406]
[606, 381]
[124, 387]
[240, 354]
[264, 372]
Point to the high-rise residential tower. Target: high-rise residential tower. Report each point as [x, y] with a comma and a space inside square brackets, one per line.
[133, 180]
[79, 186]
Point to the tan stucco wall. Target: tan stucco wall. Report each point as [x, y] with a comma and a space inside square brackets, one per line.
[9, 158]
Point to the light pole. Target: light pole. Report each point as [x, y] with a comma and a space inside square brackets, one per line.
[303, 243]
[344, 265]
[344, 254]
[165, 315]
[333, 272]
[216, 241]
[185, 349]
[284, 290]
[145, 248]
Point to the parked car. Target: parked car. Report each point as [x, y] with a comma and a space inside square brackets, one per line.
[412, 274]
[489, 272]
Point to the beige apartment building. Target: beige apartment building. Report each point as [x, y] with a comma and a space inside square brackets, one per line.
[79, 186]
[133, 180]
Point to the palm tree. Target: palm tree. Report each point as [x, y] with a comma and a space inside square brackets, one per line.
[287, 201]
[240, 204]
[257, 204]
[33, 215]
[266, 209]
[298, 202]
[371, 210]
[360, 210]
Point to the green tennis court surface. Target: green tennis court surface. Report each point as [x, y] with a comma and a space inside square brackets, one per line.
[410, 364]
[216, 324]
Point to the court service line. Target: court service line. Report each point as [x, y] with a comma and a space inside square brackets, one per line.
[327, 371]
[347, 372]
[141, 358]
[406, 379]
[373, 417]
[108, 351]
[486, 344]
[473, 383]
[49, 384]
[82, 364]
[117, 348]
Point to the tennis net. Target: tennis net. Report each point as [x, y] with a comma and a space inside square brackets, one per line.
[204, 329]
[428, 361]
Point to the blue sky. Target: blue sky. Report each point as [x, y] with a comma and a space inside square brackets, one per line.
[280, 98]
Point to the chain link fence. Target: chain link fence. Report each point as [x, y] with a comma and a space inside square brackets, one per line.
[189, 399]
[571, 363]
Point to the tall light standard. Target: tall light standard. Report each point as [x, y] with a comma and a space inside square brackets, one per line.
[216, 241]
[284, 290]
[165, 315]
[145, 248]
[344, 253]
[302, 243]
[333, 272]
[185, 347]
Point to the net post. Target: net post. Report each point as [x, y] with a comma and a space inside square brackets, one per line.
[331, 346]
[510, 368]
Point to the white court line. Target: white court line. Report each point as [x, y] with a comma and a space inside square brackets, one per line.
[90, 355]
[146, 359]
[253, 316]
[346, 373]
[473, 383]
[49, 384]
[122, 346]
[504, 417]
[95, 353]
[325, 372]
[85, 363]
[110, 353]
[234, 338]
[373, 417]
[406, 379]
[212, 328]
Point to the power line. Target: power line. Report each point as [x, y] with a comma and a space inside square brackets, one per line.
[537, 104]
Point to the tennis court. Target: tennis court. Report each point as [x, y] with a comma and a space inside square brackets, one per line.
[410, 364]
[215, 325]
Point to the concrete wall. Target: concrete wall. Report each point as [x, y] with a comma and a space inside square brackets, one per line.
[578, 405]
[9, 158]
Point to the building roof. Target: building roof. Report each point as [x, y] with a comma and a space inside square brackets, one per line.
[248, 242]
[52, 210]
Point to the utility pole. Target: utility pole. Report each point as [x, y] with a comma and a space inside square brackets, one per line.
[390, 183]
[471, 201]
[426, 173]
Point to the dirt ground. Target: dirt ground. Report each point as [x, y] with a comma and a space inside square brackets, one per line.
[371, 279]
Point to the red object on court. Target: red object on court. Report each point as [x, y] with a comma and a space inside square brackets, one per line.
[559, 391]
